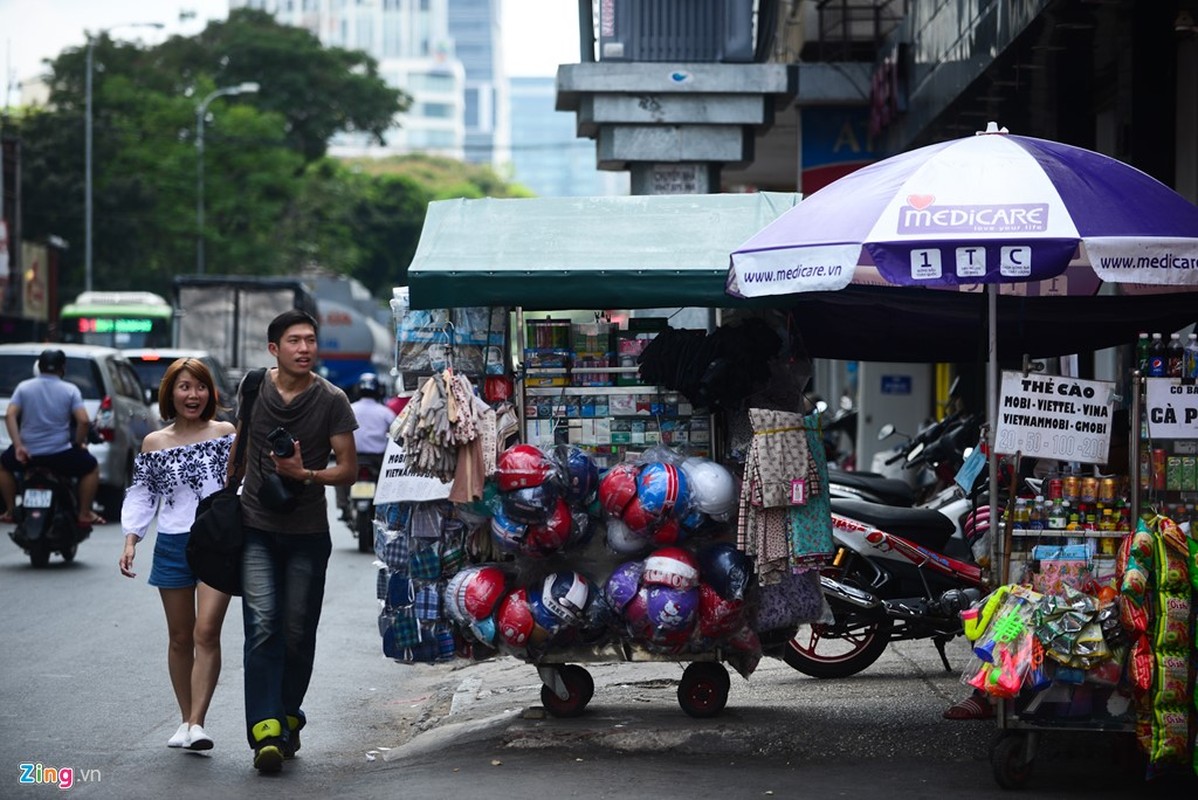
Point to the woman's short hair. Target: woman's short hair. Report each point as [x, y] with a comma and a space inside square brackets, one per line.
[166, 390]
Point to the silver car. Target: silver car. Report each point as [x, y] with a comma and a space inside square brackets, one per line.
[115, 400]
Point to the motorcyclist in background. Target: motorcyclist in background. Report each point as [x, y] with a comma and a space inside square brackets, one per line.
[48, 425]
[374, 422]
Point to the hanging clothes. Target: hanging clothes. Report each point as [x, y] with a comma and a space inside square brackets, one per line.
[784, 536]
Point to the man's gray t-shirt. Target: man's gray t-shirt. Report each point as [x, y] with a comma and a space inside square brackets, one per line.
[318, 413]
[47, 405]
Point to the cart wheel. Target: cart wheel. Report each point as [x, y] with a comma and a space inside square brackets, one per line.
[583, 677]
[703, 690]
[579, 685]
[1010, 762]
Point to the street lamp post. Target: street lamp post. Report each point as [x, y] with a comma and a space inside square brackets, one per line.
[201, 112]
[87, 148]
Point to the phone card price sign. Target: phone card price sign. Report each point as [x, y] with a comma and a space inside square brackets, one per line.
[1049, 416]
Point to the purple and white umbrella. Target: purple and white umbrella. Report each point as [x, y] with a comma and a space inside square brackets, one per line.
[990, 208]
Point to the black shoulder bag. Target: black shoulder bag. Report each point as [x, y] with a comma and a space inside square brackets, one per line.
[214, 547]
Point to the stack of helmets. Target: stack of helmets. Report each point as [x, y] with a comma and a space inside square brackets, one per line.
[531, 516]
[657, 599]
[645, 506]
[472, 596]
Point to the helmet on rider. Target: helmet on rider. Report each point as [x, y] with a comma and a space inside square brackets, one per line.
[52, 360]
[369, 386]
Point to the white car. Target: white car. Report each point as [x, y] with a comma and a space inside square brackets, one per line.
[115, 400]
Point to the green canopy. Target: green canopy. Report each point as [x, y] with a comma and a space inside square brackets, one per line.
[643, 251]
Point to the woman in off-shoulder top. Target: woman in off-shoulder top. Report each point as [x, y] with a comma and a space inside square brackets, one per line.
[177, 467]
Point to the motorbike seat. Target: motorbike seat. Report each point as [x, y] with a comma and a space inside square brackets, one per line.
[927, 528]
[890, 491]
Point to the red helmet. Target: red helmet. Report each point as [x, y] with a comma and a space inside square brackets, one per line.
[638, 519]
[521, 466]
[718, 617]
[515, 619]
[550, 536]
[483, 591]
[617, 488]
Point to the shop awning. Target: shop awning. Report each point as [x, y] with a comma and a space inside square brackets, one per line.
[644, 251]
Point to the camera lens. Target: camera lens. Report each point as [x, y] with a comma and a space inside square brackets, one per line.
[281, 443]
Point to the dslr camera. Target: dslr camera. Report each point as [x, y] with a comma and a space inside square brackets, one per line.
[278, 493]
[282, 443]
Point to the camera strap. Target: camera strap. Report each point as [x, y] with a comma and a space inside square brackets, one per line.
[250, 385]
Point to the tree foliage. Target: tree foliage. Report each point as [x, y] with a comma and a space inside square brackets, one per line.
[274, 203]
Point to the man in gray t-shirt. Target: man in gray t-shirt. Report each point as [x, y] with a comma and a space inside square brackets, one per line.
[298, 420]
[48, 426]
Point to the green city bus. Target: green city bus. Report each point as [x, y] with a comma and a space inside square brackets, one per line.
[118, 319]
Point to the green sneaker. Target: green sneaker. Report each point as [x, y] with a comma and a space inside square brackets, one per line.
[268, 756]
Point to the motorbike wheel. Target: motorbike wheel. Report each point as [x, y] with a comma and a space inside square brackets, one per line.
[837, 651]
[68, 553]
[364, 525]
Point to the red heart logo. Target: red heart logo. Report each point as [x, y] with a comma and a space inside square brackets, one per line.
[920, 201]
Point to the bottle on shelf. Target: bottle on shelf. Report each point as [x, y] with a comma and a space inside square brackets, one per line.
[1190, 363]
[1108, 521]
[1057, 515]
[1156, 357]
[1143, 344]
[1022, 517]
[1175, 356]
[1036, 514]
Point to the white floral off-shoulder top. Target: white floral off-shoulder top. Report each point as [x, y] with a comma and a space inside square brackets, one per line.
[171, 483]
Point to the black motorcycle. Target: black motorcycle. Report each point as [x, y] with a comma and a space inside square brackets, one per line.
[360, 514]
[46, 513]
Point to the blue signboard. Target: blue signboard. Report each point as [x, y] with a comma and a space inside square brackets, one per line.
[896, 384]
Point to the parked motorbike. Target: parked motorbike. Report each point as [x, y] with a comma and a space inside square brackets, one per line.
[890, 580]
[361, 502]
[46, 512]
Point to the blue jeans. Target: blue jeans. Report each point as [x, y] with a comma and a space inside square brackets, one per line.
[283, 576]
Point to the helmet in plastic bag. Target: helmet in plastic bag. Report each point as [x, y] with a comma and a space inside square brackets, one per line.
[636, 616]
[579, 472]
[484, 629]
[565, 595]
[668, 532]
[520, 466]
[598, 621]
[483, 590]
[617, 488]
[506, 533]
[532, 504]
[638, 519]
[623, 584]
[726, 569]
[672, 610]
[514, 619]
[551, 535]
[712, 487]
[625, 541]
[671, 566]
[718, 617]
[662, 489]
[454, 595]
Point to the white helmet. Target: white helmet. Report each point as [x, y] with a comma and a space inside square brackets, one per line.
[712, 487]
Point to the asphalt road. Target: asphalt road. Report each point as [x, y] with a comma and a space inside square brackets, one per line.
[83, 684]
